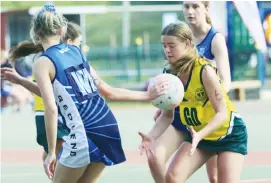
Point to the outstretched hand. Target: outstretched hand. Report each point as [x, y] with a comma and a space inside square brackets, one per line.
[157, 87]
[11, 75]
[196, 138]
[49, 165]
[146, 145]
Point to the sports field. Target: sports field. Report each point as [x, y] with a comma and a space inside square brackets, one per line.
[21, 156]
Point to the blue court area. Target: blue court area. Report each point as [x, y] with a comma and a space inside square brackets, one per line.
[21, 160]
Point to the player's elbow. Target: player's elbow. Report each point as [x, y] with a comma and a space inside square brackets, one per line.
[227, 86]
[116, 94]
[107, 91]
[51, 109]
[223, 114]
[111, 96]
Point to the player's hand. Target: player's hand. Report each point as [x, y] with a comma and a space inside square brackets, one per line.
[196, 138]
[157, 88]
[157, 114]
[49, 165]
[10, 75]
[146, 145]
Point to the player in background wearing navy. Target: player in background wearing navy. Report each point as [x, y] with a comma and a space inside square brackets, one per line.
[212, 46]
[65, 78]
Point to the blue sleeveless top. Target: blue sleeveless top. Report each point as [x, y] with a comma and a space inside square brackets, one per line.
[94, 135]
[205, 47]
[75, 90]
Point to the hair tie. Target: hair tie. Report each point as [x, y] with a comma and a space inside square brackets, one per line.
[49, 8]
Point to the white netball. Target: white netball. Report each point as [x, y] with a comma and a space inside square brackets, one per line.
[174, 93]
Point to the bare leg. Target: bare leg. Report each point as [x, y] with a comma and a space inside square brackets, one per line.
[230, 166]
[164, 147]
[183, 165]
[211, 166]
[92, 173]
[65, 174]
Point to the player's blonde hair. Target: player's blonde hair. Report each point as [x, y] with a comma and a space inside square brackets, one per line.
[182, 31]
[207, 5]
[26, 48]
[48, 23]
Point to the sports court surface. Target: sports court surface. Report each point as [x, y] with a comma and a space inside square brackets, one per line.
[21, 156]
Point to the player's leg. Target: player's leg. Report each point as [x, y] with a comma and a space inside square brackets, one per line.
[230, 166]
[183, 165]
[92, 173]
[231, 157]
[211, 167]
[64, 174]
[73, 161]
[164, 147]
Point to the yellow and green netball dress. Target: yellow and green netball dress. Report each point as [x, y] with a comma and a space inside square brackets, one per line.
[197, 111]
[40, 123]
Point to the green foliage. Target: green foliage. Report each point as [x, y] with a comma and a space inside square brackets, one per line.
[101, 27]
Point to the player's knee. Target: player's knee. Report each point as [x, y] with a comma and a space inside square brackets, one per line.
[158, 158]
[173, 177]
[212, 178]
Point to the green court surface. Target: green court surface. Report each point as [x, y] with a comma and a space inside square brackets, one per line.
[21, 156]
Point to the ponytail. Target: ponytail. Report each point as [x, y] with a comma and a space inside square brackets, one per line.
[24, 49]
[208, 20]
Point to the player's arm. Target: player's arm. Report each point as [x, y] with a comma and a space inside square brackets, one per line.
[44, 72]
[162, 123]
[216, 96]
[31, 86]
[220, 52]
[12, 76]
[121, 94]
